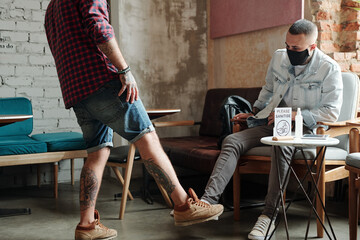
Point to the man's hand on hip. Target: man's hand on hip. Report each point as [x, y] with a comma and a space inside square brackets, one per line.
[129, 84]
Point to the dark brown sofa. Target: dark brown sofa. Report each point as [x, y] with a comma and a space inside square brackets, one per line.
[199, 153]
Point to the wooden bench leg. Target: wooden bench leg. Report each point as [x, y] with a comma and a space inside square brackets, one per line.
[56, 171]
[128, 170]
[72, 171]
[353, 206]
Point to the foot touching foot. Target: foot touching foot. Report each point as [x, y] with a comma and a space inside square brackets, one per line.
[196, 211]
[261, 226]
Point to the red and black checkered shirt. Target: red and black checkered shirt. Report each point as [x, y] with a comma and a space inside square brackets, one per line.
[74, 29]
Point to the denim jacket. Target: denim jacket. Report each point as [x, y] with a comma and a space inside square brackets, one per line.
[317, 90]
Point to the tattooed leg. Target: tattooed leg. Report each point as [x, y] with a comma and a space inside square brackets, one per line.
[160, 175]
[88, 188]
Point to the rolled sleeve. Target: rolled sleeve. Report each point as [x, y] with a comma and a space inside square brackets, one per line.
[96, 20]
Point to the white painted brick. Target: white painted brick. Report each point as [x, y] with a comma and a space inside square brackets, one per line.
[44, 125]
[30, 26]
[31, 48]
[29, 92]
[14, 36]
[68, 123]
[7, 25]
[53, 93]
[38, 16]
[47, 50]
[7, 47]
[56, 113]
[46, 82]
[6, 70]
[13, 59]
[44, 4]
[41, 60]
[62, 105]
[7, 91]
[27, 4]
[18, 81]
[29, 71]
[17, 13]
[37, 113]
[38, 38]
[50, 71]
[45, 103]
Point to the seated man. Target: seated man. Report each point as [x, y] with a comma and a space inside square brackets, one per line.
[300, 76]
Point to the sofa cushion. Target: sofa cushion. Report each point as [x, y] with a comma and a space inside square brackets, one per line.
[14, 145]
[195, 152]
[61, 141]
[16, 105]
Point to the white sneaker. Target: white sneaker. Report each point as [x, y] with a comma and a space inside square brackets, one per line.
[259, 230]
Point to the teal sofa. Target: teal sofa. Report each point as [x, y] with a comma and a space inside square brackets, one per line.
[19, 147]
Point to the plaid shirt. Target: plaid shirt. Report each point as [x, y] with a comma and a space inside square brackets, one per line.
[74, 29]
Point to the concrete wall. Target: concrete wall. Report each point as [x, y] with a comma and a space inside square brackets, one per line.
[165, 44]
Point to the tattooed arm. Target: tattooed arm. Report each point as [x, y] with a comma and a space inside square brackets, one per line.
[113, 53]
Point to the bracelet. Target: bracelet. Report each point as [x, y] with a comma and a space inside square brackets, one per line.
[124, 71]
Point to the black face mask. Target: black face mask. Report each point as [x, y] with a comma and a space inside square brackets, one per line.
[298, 58]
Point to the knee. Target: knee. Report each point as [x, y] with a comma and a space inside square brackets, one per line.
[231, 143]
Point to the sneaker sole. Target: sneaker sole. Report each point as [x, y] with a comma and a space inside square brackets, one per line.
[107, 238]
[187, 223]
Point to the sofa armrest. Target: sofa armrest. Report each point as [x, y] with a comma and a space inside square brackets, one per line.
[176, 123]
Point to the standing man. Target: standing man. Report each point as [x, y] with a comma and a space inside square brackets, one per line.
[300, 76]
[98, 84]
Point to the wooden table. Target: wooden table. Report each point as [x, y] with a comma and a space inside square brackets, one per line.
[6, 119]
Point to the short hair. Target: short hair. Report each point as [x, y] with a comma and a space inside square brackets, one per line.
[303, 26]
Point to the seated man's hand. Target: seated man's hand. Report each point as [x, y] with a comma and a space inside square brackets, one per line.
[271, 118]
[241, 117]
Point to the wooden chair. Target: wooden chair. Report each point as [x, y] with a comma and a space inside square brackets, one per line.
[123, 157]
[353, 166]
[257, 160]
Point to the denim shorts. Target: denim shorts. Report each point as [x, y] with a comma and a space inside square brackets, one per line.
[104, 112]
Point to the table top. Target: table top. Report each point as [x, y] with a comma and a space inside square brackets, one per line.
[156, 113]
[11, 118]
[301, 142]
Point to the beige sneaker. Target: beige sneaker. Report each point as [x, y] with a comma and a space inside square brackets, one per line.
[95, 231]
[196, 211]
[259, 230]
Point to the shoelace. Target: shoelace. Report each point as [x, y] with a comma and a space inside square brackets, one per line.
[261, 225]
[97, 222]
[199, 203]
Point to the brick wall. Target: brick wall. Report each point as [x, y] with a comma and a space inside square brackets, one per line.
[27, 70]
[339, 34]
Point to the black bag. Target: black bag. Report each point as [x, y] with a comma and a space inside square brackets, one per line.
[231, 106]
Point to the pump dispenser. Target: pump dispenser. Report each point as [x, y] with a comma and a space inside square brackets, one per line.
[298, 124]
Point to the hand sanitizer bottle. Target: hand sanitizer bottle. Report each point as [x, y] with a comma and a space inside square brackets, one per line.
[298, 124]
